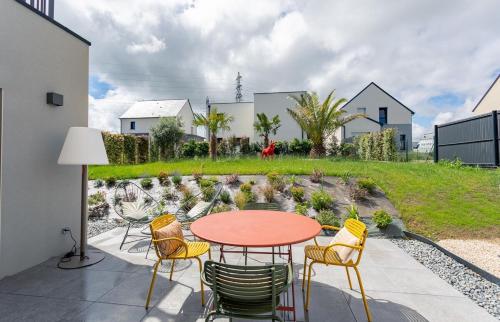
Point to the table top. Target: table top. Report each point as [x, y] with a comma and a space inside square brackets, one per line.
[255, 228]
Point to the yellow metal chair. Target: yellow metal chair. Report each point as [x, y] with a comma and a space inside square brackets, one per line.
[326, 255]
[187, 250]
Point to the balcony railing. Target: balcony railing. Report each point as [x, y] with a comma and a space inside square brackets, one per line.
[44, 6]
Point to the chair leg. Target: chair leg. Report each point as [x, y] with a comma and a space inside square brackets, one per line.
[201, 282]
[151, 286]
[348, 277]
[308, 285]
[125, 237]
[367, 310]
[149, 247]
[304, 273]
[207, 319]
[245, 251]
[172, 269]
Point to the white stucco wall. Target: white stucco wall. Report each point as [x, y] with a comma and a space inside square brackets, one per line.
[243, 115]
[276, 104]
[38, 196]
[491, 100]
[359, 127]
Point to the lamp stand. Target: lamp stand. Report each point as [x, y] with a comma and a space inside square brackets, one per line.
[85, 258]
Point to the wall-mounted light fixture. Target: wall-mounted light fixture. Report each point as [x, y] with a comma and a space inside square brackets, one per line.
[55, 99]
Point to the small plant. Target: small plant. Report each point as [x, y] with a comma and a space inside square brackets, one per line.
[98, 183]
[221, 208]
[382, 219]
[97, 198]
[316, 176]
[208, 193]
[188, 199]
[357, 193]
[268, 192]
[232, 179]
[169, 195]
[321, 199]
[240, 199]
[197, 176]
[294, 180]
[368, 184]
[252, 182]
[205, 183]
[246, 188]
[110, 182]
[351, 212]
[297, 193]
[345, 177]
[98, 206]
[276, 181]
[147, 200]
[214, 179]
[328, 218]
[129, 197]
[176, 180]
[302, 208]
[163, 179]
[147, 183]
[225, 197]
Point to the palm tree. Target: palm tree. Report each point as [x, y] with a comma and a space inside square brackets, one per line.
[264, 126]
[319, 120]
[214, 122]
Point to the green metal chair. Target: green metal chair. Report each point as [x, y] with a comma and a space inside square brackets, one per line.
[246, 292]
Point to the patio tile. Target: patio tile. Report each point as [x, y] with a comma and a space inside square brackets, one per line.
[162, 315]
[103, 312]
[184, 298]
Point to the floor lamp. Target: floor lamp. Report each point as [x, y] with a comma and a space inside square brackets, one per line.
[83, 146]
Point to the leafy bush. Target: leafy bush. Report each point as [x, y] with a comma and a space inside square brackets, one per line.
[221, 208]
[142, 149]
[377, 145]
[268, 192]
[188, 149]
[351, 212]
[240, 199]
[321, 199]
[368, 184]
[113, 144]
[328, 218]
[281, 147]
[276, 181]
[455, 164]
[98, 183]
[232, 179]
[169, 194]
[166, 134]
[297, 193]
[208, 192]
[147, 183]
[347, 150]
[294, 180]
[252, 182]
[245, 145]
[299, 147]
[214, 179]
[382, 219]
[129, 149]
[225, 197]
[316, 176]
[188, 200]
[302, 208]
[223, 148]
[163, 179]
[246, 187]
[345, 177]
[357, 193]
[205, 183]
[97, 198]
[177, 180]
[110, 182]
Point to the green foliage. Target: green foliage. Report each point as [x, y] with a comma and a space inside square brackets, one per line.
[377, 145]
[265, 126]
[221, 208]
[129, 149]
[345, 177]
[245, 146]
[368, 184]
[188, 200]
[225, 197]
[252, 181]
[246, 187]
[208, 192]
[357, 193]
[232, 179]
[198, 177]
[215, 122]
[142, 149]
[113, 144]
[110, 182]
[167, 133]
[455, 164]
[268, 192]
[351, 212]
[389, 148]
[97, 198]
[176, 180]
[302, 208]
[298, 147]
[276, 181]
[223, 148]
[294, 180]
[169, 194]
[316, 176]
[163, 179]
[98, 183]
[232, 144]
[321, 199]
[146, 183]
[328, 218]
[188, 149]
[205, 183]
[297, 193]
[201, 149]
[281, 147]
[240, 200]
[382, 219]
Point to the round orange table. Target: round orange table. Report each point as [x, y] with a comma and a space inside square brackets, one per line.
[257, 229]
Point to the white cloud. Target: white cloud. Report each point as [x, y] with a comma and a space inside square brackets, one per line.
[418, 131]
[153, 45]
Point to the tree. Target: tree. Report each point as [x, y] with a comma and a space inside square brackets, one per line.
[319, 119]
[264, 126]
[167, 134]
[214, 122]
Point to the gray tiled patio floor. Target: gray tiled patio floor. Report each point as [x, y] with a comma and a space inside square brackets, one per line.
[398, 289]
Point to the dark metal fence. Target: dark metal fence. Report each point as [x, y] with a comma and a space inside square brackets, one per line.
[475, 140]
[44, 6]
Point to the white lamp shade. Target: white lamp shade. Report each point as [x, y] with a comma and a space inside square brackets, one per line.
[83, 146]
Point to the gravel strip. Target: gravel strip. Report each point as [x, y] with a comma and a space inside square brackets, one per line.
[97, 227]
[480, 290]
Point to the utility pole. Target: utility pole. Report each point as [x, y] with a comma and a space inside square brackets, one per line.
[239, 96]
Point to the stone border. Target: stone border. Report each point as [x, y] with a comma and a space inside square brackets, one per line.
[484, 274]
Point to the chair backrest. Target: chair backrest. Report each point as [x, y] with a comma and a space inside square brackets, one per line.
[247, 283]
[358, 229]
[188, 204]
[262, 206]
[161, 222]
[129, 197]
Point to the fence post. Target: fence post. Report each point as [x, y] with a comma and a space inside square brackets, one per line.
[436, 142]
[495, 138]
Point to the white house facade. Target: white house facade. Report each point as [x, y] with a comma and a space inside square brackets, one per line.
[245, 115]
[491, 99]
[381, 111]
[38, 197]
[143, 115]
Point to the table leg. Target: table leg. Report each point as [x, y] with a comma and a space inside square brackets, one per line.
[290, 259]
[222, 258]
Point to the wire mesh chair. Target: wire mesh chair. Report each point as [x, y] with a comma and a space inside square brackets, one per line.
[137, 207]
[195, 207]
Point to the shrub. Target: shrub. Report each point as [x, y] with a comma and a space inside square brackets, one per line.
[316, 176]
[163, 179]
[328, 218]
[188, 149]
[302, 208]
[347, 150]
[129, 149]
[142, 149]
[382, 219]
[357, 193]
[368, 184]
[281, 148]
[389, 149]
[110, 182]
[245, 145]
[97, 198]
[205, 183]
[276, 181]
[98, 183]
[197, 176]
[321, 199]
[223, 148]
[208, 192]
[169, 194]
[240, 199]
[188, 199]
[294, 180]
[177, 180]
[246, 188]
[113, 144]
[98, 206]
[297, 193]
[345, 177]
[225, 197]
[214, 179]
[147, 183]
[351, 212]
[268, 192]
[221, 208]
[232, 179]
[252, 182]
[299, 147]
[166, 134]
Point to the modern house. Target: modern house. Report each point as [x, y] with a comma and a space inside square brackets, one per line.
[44, 76]
[490, 100]
[381, 111]
[426, 143]
[245, 115]
[143, 115]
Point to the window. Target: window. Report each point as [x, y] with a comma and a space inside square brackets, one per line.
[362, 110]
[402, 142]
[382, 115]
[132, 125]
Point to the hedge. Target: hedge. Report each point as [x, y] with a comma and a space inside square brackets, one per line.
[114, 146]
[379, 146]
[129, 149]
[142, 149]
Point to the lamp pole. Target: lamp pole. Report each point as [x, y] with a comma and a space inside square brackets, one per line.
[84, 213]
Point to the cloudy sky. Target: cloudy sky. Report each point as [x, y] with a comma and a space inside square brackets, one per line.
[437, 57]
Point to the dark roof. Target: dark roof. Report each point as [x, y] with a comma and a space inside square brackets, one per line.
[491, 86]
[44, 16]
[380, 88]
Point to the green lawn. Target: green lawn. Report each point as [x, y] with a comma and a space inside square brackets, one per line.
[434, 200]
